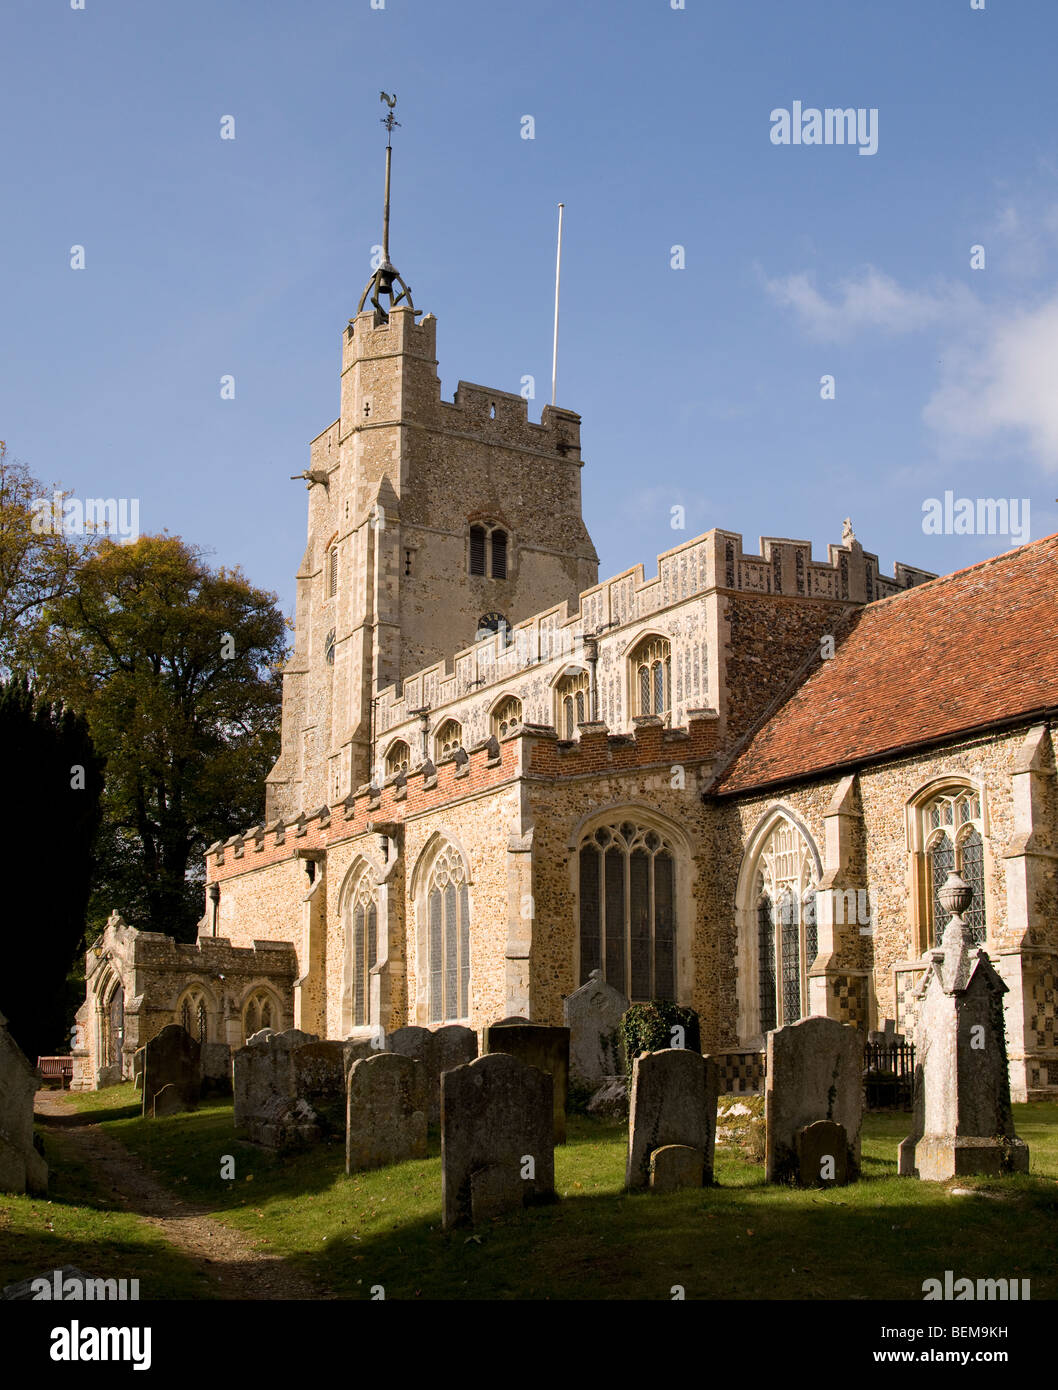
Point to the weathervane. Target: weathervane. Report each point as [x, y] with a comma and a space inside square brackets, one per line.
[386, 281]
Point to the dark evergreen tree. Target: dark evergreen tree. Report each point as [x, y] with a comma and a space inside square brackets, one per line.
[49, 818]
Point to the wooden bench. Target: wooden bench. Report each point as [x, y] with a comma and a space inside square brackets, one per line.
[52, 1067]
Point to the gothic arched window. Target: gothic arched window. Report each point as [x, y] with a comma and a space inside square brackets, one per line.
[398, 757]
[194, 1015]
[951, 833]
[448, 938]
[507, 716]
[651, 663]
[448, 738]
[571, 703]
[259, 1012]
[786, 926]
[627, 905]
[362, 931]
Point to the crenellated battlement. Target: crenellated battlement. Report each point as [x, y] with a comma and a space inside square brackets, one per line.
[713, 561]
[532, 751]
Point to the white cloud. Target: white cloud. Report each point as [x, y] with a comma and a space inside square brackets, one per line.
[873, 300]
[1004, 386]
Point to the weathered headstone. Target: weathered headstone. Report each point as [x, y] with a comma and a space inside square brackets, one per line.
[593, 1016]
[320, 1071]
[386, 1112]
[673, 1102]
[822, 1155]
[263, 1074]
[137, 1068]
[537, 1046]
[497, 1138]
[438, 1049]
[675, 1166]
[172, 1058]
[963, 1123]
[168, 1101]
[216, 1069]
[814, 1072]
[22, 1168]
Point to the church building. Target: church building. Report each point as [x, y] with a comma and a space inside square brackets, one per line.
[738, 782]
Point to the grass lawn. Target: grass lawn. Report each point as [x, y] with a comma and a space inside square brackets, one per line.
[79, 1223]
[877, 1239]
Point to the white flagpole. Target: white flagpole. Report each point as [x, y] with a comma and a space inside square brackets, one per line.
[558, 275]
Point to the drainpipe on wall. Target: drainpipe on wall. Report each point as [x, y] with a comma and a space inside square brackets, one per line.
[214, 896]
[591, 656]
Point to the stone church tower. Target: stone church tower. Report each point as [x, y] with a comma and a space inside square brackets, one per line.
[428, 520]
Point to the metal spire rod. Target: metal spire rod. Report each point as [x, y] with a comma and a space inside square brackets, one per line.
[558, 276]
[386, 282]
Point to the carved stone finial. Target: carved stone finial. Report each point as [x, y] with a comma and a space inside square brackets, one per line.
[848, 535]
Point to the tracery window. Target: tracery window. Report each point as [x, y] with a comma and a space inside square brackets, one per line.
[651, 665]
[952, 835]
[787, 939]
[449, 737]
[448, 933]
[571, 703]
[488, 550]
[260, 1012]
[398, 757]
[363, 947]
[507, 716]
[627, 905]
[194, 1015]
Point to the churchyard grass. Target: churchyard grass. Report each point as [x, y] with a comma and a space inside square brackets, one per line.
[878, 1239]
[81, 1222]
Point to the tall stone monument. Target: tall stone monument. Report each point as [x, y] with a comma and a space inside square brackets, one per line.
[962, 1118]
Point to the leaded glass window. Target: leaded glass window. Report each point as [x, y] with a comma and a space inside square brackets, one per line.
[953, 837]
[507, 716]
[627, 906]
[259, 1012]
[194, 1015]
[652, 676]
[363, 947]
[449, 738]
[398, 758]
[571, 703]
[448, 929]
[787, 936]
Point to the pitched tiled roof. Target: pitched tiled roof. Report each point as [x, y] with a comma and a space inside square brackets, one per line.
[969, 650]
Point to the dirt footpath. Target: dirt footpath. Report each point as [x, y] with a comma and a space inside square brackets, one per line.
[230, 1260]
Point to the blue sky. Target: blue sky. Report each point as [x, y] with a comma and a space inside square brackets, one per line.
[698, 387]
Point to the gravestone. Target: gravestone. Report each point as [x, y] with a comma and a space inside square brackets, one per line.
[168, 1101]
[593, 1016]
[22, 1167]
[673, 1102]
[216, 1069]
[172, 1058]
[675, 1166]
[319, 1073]
[137, 1068]
[497, 1138]
[822, 1155]
[386, 1112]
[537, 1046]
[814, 1072]
[438, 1049]
[962, 1122]
[264, 1082]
